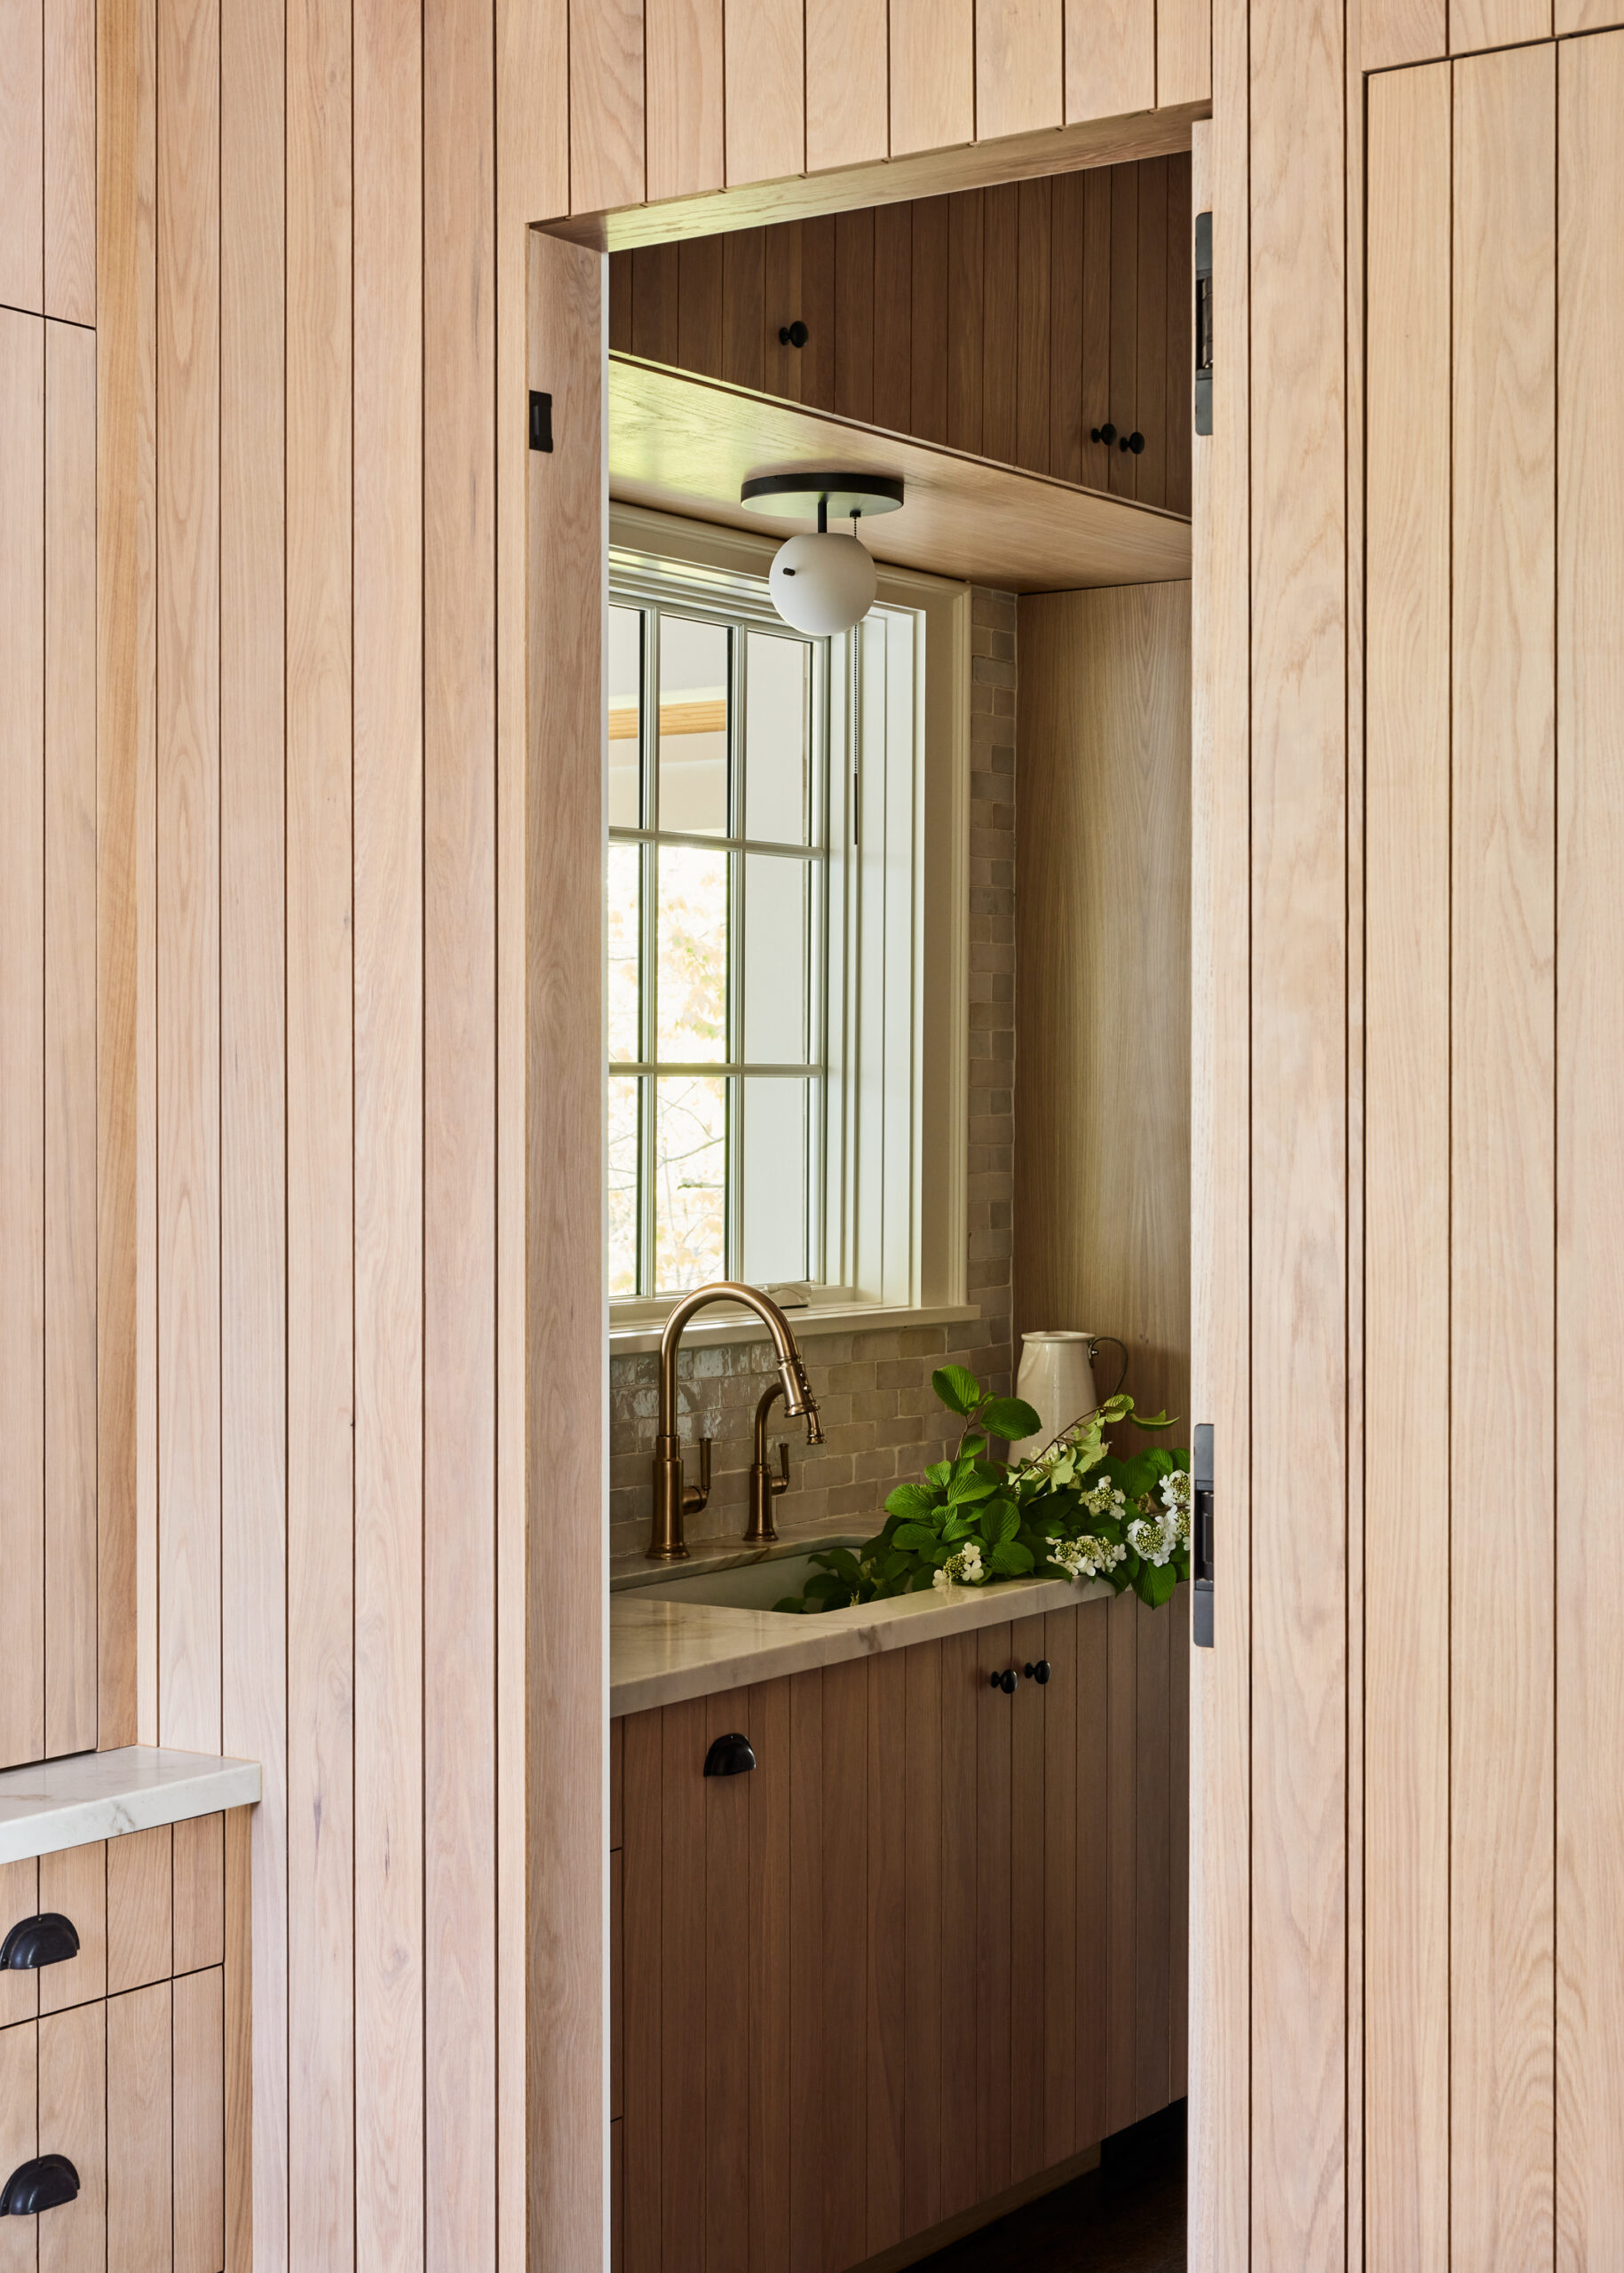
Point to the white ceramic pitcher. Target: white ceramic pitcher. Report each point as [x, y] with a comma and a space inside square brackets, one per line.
[1057, 1380]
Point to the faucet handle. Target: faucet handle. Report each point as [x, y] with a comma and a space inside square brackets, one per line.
[695, 1495]
[780, 1482]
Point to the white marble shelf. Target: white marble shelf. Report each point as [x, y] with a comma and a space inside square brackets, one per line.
[94, 1795]
[664, 1652]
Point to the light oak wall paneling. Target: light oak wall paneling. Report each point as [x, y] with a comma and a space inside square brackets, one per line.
[1502, 1451]
[69, 1039]
[459, 1164]
[19, 2131]
[848, 83]
[1402, 31]
[1585, 16]
[932, 73]
[188, 876]
[1407, 1162]
[239, 2050]
[606, 105]
[125, 157]
[1020, 67]
[387, 796]
[1299, 1148]
[19, 1899]
[1184, 51]
[1111, 58]
[140, 2128]
[198, 2036]
[764, 104]
[140, 1909]
[319, 1122]
[1101, 1226]
[73, 2102]
[563, 1665]
[1590, 837]
[22, 156]
[75, 1882]
[1476, 24]
[253, 1020]
[683, 98]
[22, 1030]
[70, 118]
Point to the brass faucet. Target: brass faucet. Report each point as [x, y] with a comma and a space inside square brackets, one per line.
[764, 1486]
[673, 1499]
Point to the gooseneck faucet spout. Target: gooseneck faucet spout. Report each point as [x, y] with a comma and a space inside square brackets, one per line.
[674, 1499]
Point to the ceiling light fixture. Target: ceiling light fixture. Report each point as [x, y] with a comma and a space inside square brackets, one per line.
[823, 582]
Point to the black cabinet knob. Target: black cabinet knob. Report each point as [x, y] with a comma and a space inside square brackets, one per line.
[1039, 1672]
[793, 334]
[730, 1756]
[1133, 442]
[1009, 1682]
[49, 1939]
[43, 2185]
[1106, 434]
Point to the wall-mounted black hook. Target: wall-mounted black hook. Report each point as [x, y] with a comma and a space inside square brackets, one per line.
[730, 1756]
[793, 334]
[1106, 434]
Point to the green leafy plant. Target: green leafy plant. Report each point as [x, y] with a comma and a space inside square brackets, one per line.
[1076, 1510]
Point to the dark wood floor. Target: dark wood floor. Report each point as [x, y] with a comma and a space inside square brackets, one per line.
[1127, 2216]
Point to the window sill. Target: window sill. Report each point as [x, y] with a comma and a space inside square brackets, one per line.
[806, 1326]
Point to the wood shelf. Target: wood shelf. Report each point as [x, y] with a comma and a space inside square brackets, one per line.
[684, 444]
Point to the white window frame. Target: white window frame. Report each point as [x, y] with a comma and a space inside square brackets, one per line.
[897, 1134]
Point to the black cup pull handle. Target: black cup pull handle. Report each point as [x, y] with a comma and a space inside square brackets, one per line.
[49, 1939]
[44, 2184]
[730, 1756]
[1039, 1672]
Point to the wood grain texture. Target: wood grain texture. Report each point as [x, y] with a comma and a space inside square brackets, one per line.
[1110, 58]
[886, 1930]
[1065, 1930]
[387, 805]
[69, 112]
[1020, 76]
[932, 73]
[1184, 51]
[990, 1971]
[684, 444]
[642, 2003]
[188, 878]
[854, 340]
[606, 105]
[73, 2121]
[459, 1160]
[1407, 1187]
[769, 2067]
[1299, 1262]
[75, 1882]
[961, 1801]
[1103, 823]
[22, 1029]
[683, 97]
[848, 82]
[1029, 1991]
[1476, 24]
[253, 1017]
[22, 156]
[925, 2092]
[320, 1148]
[140, 1909]
[198, 2026]
[1152, 1862]
[723, 1951]
[19, 1899]
[1589, 1266]
[764, 46]
[238, 2020]
[1031, 330]
[1584, 16]
[1501, 1170]
[1120, 1820]
[69, 1039]
[200, 1893]
[1150, 345]
[1402, 31]
[141, 2128]
[844, 2126]
[806, 1973]
[563, 1664]
[19, 2131]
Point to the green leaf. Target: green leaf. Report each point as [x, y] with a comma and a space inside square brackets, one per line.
[921, 1580]
[1155, 1583]
[999, 1520]
[957, 1527]
[915, 1535]
[1012, 1557]
[792, 1606]
[940, 1475]
[1009, 1418]
[965, 1490]
[912, 1501]
[959, 1391]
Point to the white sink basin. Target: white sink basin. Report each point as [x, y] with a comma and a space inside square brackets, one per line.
[745, 1586]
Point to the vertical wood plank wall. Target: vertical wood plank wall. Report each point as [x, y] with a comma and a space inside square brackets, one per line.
[1097, 267]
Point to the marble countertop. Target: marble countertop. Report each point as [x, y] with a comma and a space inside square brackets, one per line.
[94, 1795]
[663, 1652]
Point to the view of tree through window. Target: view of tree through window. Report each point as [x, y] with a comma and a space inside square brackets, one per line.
[716, 886]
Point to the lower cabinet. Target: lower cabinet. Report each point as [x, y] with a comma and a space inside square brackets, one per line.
[931, 1947]
[122, 2068]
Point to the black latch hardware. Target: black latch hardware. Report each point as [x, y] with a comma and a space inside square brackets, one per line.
[44, 2184]
[49, 1939]
[1201, 1544]
[541, 420]
[1203, 323]
[730, 1756]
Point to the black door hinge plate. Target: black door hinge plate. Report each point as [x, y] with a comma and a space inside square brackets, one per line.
[1200, 1541]
[541, 420]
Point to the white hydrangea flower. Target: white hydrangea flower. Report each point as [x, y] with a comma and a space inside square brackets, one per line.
[1176, 1491]
[963, 1569]
[1088, 1558]
[1153, 1538]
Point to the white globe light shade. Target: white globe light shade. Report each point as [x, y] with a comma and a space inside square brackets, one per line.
[822, 582]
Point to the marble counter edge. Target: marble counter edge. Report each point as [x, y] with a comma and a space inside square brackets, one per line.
[54, 1804]
[706, 1650]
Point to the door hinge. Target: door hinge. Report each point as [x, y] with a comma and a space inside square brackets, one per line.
[541, 420]
[1203, 323]
[1200, 1541]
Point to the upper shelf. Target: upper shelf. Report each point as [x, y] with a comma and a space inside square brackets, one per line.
[686, 445]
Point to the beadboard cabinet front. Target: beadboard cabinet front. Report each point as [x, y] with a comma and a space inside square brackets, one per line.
[929, 1948]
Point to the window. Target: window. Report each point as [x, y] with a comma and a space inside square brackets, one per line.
[767, 937]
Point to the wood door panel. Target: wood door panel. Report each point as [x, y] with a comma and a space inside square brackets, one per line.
[75, 1883]
[199, 2116]
[18, 2134]
[140, 2132]
[140, 1908]
[73, 2102]
[1030, 1999]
